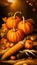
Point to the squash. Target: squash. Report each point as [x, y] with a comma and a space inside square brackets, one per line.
[26, 26]
[15, 35]
[28, 44]
[13, 21]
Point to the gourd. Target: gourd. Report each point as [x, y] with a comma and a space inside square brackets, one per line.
[26, 26]
[28, 44]
[15, 35]
[13, 21]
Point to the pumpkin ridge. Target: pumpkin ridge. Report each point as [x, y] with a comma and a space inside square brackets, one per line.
[20, 34]
[17, 36]
[27, 26]
[25, 29]
[31, 27]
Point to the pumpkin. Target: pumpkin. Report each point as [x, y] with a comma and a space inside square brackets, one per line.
[13, 21]
[26, 26]
[15, 35]
[4, 19]
[28, 44]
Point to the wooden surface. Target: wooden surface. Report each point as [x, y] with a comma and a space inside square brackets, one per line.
[21, 61]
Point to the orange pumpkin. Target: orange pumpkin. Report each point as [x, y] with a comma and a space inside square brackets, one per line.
[15, 35]
[4, 19]
[13, 21]
[26, 26]
[28, 44]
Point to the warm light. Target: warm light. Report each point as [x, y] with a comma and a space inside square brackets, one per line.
[11, 1]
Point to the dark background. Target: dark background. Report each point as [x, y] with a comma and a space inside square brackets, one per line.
[21, 5]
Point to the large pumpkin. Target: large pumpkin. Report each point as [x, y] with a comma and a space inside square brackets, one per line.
[26, 26]
[13, 20]
[15, 35]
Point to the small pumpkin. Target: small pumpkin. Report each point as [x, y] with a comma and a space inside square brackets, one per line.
[28, 44]
[15, 35]
[26, 26]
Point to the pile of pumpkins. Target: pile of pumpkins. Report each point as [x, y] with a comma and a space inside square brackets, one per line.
[15, 28]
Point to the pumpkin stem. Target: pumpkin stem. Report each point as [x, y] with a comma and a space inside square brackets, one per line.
[17, 13]
[10, 14]
[23, 19]
[14, 29]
